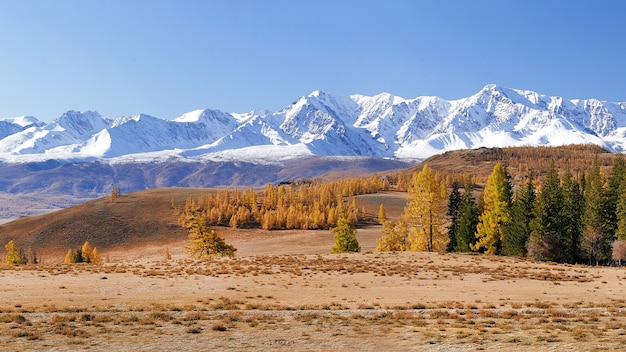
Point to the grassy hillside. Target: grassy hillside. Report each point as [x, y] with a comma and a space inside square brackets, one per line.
[134, 219]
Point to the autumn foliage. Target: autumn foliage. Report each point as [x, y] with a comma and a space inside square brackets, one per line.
[84, 254]
[303, 205]
[205, 242]
[421, 226]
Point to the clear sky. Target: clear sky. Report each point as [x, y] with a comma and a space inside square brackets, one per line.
[165, 58]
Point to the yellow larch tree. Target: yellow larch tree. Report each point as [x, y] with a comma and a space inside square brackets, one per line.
[86, 252]
[382, 214]
[425, 212]
[395, 238]
[496, 212]
[205, 242]
[69, 257]
[14, 256]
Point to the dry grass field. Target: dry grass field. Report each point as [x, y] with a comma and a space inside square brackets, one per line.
[285, 292]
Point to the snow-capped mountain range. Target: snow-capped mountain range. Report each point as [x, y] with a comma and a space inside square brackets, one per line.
[321, 124]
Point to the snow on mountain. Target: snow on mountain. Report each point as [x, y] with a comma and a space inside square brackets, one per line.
[383, 126]
[9, 126]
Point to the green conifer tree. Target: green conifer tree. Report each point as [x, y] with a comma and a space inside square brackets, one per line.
[620, 234]
[345, 239]
[468, 221]
[572, 213]
[547, 227]
[594, 242]
[454, 208]
[518, 231]
[618, 173]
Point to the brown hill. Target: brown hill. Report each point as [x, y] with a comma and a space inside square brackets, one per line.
[519, 160]
[133, 219]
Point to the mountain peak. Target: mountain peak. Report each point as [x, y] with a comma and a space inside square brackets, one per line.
[23, 121]
[316, 93]
[383, 125]
[82, 123]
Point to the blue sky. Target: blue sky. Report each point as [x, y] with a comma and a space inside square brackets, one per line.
[165, 58]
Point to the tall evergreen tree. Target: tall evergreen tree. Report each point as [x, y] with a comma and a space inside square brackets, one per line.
[454, 207]
[468, 220]
[571, 215]
[618, 173]
[496, 212]
[547, 238]
[594, 243]
[620, 233]
[522, 213]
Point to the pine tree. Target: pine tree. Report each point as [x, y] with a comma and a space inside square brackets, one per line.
[618, 173]
[572, 213]
[205, 242]
[345, 239]
[620, 234]
[78, 256]
[495, 216]
[468, 221]
[454, 208]
[518, 231]
[594, 244]
[547, 227]
[425, 212]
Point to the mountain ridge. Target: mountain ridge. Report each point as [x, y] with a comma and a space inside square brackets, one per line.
[322, 124]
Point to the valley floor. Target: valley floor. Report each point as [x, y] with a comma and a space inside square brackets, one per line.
[314, 302]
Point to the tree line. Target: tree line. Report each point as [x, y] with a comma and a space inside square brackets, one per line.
[569, 218]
